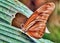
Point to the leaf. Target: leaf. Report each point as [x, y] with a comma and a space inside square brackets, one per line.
[8, 33]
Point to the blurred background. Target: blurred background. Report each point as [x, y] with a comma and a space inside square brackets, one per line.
[34, 4]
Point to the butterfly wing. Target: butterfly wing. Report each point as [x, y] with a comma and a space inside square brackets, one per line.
[36, 24]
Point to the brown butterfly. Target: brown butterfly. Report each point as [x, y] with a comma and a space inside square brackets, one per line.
[36, 24]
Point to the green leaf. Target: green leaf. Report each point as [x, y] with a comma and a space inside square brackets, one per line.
[10, 34]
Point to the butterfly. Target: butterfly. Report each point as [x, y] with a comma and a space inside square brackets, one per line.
[36, 24]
